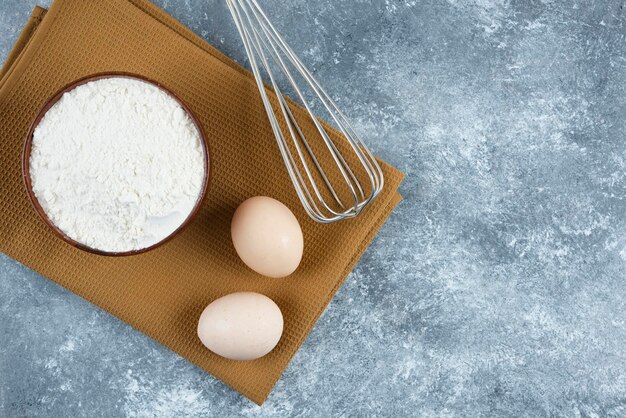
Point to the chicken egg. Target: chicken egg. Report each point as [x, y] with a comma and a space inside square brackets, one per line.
[267, 237]
[241, 326]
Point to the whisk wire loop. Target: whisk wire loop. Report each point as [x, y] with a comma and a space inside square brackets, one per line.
[266, 49]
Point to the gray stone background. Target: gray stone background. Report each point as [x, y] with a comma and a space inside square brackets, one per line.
[497, 288]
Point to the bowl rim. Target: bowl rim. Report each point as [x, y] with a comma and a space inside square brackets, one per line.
[27, 148]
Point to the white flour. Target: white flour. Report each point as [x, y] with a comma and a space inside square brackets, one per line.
[117, 164]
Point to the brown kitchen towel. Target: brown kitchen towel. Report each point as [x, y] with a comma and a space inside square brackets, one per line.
[161, 293]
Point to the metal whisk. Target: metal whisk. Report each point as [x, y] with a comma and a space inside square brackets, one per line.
[328, 194]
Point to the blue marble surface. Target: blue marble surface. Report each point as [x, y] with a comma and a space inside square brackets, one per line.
[497, 288]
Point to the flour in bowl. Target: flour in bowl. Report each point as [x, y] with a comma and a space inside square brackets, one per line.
[117, 164]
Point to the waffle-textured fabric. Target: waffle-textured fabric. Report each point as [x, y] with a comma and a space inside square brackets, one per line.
[162, 293]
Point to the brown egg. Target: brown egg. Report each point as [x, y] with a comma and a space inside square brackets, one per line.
[267, 237]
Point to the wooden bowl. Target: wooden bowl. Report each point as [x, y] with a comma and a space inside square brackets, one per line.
[29, 142]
